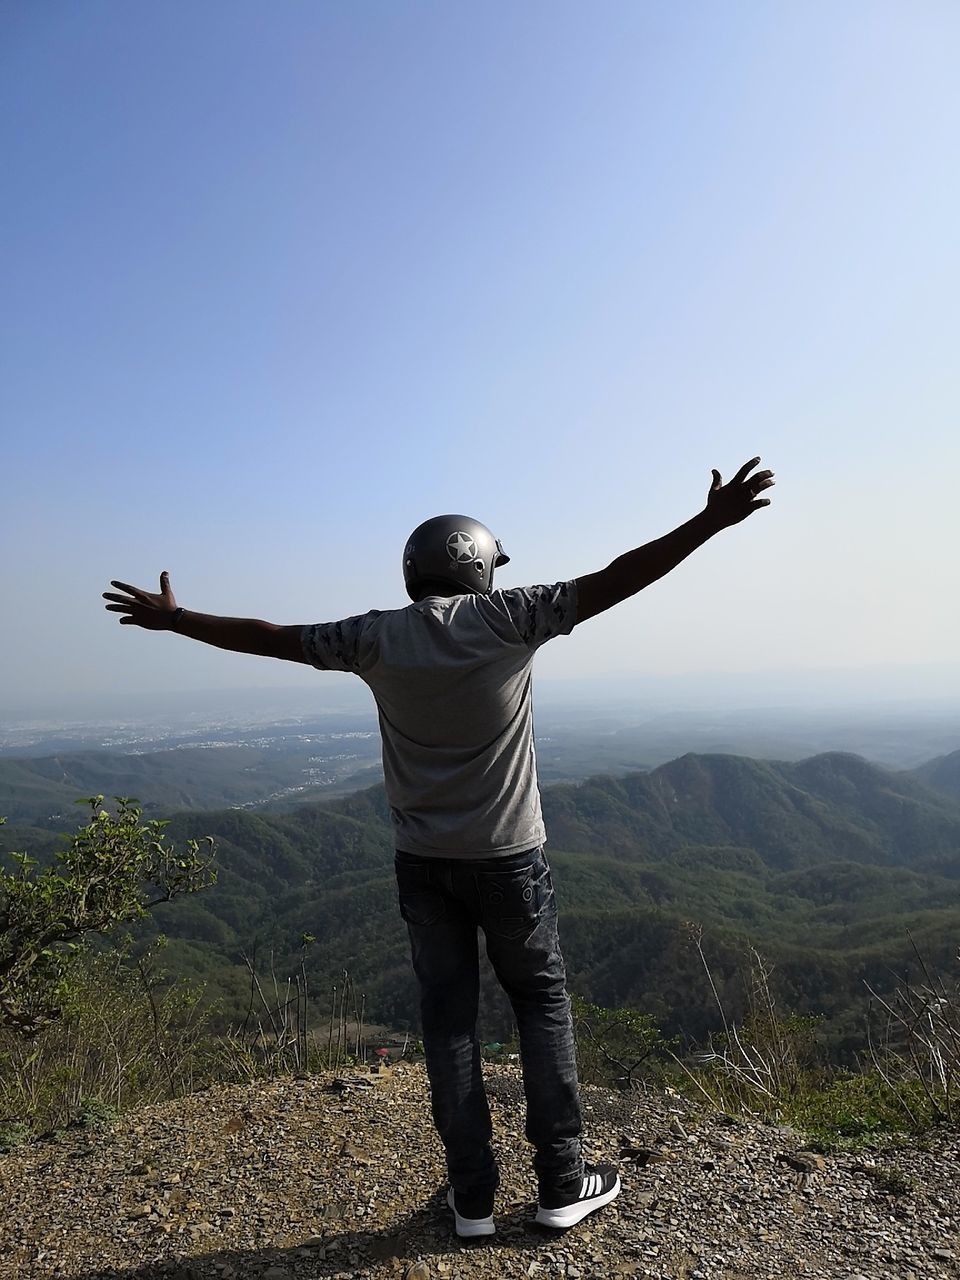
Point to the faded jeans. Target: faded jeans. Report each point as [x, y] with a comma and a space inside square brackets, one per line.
[444, 901]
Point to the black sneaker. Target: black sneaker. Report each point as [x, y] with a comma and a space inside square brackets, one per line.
[473, 1213]
[566, 1206]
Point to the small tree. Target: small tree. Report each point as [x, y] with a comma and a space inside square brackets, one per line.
[114, 870]
[615, 1046]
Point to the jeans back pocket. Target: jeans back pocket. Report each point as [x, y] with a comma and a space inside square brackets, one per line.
[421, 902]
[513, 900]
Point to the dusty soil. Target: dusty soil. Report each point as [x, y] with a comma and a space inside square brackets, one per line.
[343, 1177]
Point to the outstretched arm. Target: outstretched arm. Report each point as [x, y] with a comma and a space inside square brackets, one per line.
[158, 611]
[727, 504]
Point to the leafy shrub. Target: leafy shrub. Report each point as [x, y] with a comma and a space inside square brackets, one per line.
[113, 871]
[615, 1046]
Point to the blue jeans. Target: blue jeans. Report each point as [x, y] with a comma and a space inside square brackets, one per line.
[444, 901]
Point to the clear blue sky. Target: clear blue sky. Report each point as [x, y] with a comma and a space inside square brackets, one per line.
[280, 280]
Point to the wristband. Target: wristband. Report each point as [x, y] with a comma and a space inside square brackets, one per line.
[175, 618]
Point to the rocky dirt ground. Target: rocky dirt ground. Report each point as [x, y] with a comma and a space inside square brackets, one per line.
[343, 1178]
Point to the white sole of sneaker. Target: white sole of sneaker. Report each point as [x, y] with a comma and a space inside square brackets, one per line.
[470, 1226]
[571, 1214]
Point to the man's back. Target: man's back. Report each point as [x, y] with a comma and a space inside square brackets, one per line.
[451, 677]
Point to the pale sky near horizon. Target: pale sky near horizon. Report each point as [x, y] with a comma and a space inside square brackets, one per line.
[278, 281]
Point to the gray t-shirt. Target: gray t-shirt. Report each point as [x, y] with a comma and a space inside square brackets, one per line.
[451, 678]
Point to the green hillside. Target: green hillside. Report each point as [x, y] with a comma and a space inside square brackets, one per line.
[943, 774]
[41, 791]
[828, 866]
[830, 807]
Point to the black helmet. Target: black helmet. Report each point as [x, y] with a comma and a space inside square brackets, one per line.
[453, 550]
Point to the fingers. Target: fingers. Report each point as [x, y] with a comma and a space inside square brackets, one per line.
[716, 480]
[759, 502]
[744, 471]
[131, 591]
[757, 485]
[141, 608]
[165, 600]
[166, 591]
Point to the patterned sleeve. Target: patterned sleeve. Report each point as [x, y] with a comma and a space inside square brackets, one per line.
[542, 612]
[333, 646]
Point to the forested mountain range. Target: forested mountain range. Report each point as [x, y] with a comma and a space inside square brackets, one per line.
[280, 766]
[943, 774]
[832, 867]
[41, 791]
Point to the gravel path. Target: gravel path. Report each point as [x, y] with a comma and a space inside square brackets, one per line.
[322, 1177]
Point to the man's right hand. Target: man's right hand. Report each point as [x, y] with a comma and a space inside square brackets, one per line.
[152, 610]
[157, 611]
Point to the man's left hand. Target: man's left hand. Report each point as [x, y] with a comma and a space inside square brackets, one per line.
[730, 503]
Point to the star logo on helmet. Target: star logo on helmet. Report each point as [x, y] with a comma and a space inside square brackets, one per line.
[462, 548]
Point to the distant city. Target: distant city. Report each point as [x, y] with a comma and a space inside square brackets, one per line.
[583, 726]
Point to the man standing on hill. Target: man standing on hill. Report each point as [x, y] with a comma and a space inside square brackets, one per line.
[451, 677]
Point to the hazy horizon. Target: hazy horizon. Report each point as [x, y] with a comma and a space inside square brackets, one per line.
[819, 692]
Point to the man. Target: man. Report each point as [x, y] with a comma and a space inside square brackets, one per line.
[450, 674]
